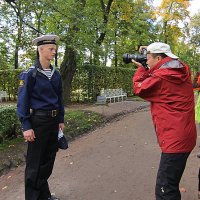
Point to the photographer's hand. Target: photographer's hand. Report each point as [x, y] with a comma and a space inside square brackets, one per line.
[137, 64]
[142, 49]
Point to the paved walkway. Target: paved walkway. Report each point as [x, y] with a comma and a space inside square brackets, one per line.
[112, 110]
[115, 162]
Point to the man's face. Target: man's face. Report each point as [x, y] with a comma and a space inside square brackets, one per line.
[152, 61]
[48, 51]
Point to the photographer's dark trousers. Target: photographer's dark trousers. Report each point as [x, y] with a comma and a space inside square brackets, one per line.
[40, 157]
[172, 166]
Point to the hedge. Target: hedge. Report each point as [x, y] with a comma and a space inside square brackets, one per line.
[87, 83]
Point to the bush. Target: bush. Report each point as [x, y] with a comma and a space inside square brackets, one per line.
[77, 122]
[9, 123]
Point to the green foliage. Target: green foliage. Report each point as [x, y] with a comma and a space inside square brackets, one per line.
[3, 56]
[91, 32]
[9, 123]
[9, 82]
[78, 122]
[89, 80]
[127, 26]
[188, 54]
[80, 23]
[195, 29]
[130, 26]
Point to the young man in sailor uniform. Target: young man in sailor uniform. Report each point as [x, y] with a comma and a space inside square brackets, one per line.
[41, 112]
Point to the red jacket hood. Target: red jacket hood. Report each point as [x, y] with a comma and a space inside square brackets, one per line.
[172, 70]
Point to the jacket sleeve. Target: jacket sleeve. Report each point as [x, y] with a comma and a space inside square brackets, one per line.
[23, 104]
[146, 85]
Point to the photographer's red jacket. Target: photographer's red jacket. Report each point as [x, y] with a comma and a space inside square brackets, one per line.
[168, 87]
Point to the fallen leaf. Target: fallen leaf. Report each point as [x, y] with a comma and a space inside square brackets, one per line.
[182, 189]
[4, 187]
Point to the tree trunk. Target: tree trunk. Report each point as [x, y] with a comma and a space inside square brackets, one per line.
[68, 65]
[105, 11]
[16, 56]
[165, 32]
[68, 69]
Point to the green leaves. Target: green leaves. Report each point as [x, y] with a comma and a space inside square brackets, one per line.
[93, 31]
[9, 123]
[195, 29]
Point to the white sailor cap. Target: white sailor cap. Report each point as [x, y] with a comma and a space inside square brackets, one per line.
[45, 39]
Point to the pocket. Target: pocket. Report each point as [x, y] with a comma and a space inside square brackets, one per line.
[159, 130]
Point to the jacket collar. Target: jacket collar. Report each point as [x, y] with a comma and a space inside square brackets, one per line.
[160, 63]
[39, 66]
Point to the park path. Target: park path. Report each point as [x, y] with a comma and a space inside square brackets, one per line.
[118, 161]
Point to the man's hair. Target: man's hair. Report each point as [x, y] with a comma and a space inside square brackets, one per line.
[162, 55]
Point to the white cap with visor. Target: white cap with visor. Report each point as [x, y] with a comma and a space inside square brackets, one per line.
[159, 47]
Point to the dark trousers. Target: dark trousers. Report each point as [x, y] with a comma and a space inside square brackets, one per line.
[172, 166]
[40, 157]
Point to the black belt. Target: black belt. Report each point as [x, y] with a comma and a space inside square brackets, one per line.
[49, 113]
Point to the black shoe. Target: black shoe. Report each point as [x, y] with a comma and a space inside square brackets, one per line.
[53, 198]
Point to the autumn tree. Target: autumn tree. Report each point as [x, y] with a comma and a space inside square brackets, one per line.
[170, 14]
[130, 26]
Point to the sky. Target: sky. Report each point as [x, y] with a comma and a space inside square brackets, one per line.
[194, 6]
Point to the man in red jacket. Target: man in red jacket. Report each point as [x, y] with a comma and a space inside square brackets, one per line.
[167, 85]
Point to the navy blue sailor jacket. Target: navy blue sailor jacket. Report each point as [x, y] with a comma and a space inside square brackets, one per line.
[38, 92]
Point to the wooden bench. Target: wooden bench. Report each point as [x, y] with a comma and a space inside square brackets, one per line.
[111, 95]
[3, 95]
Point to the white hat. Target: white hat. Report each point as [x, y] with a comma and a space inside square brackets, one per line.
[159, 47]
[46, 39]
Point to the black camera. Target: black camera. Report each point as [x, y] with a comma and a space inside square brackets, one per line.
[141, 58]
